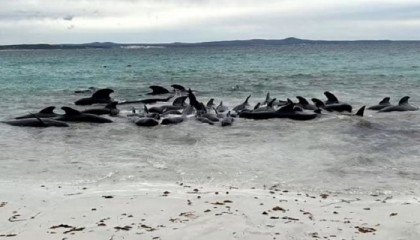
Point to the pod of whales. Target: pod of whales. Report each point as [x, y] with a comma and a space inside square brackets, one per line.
[208, 113]
[402, 106]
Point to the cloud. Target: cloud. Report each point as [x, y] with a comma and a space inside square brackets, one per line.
[202, 20]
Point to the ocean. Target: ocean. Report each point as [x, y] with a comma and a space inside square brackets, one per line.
[334, 152]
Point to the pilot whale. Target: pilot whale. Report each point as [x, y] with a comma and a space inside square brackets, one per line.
[72, 115]
[100, 96]
[287, 111]
[402, 106]
[47, 112]
[36, 122]
[382, 104]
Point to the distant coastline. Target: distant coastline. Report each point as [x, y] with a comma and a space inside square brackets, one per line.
[251, 42]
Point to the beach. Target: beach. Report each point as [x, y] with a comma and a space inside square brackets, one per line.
[338, 176]
[180, 211]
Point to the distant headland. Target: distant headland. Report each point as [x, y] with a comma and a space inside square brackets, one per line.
[251, 42]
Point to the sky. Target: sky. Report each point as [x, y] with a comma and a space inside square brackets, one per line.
[166, 21]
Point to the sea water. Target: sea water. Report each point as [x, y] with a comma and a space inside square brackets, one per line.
[379, 152]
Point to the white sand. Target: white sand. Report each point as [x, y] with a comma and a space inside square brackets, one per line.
[194, 212]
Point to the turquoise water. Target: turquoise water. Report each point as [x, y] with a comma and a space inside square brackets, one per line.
[334, 152]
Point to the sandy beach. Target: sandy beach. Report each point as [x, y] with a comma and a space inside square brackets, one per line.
[181, 211]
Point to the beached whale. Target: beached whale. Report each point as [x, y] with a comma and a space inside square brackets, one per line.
[382, 104]
[158, 90]
[275, 103]
[47, 112]
[178, 87]
[72, 115]
[36, 122]
[332, 104]
[227, 120]
[333, 107]
[100, 96]
[402, 106]
[147, 100]
[243, 106]
[288, 111]
[221, 108]
[305, 104]
[110, 109]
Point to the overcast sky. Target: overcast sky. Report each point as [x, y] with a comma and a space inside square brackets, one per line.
[162, 21]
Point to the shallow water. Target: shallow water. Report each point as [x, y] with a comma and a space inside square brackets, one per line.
[334, 152]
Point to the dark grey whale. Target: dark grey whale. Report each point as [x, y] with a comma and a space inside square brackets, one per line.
[334, 107]
[305, 104]
[72, 115]
[147, 100]
[47, 112]
[288, 111]
[242, 106]
[158, 90]
[382, 104]
[110, 109]
[402, 106]
[146, 122]
[178, 87]
[100, 96]
[36, 122]
[227, 120]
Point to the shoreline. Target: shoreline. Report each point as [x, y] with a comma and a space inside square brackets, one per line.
[179, 211]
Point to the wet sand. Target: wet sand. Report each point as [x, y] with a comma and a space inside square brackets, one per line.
[180, 211]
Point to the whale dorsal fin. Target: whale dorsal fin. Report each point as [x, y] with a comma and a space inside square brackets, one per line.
[215, 110]
[103, 93]
[270, 104]
[49, 109]
[133, 110]
[178, 87]
[179, 101]
[228, 114]
[385, 101]
[158, 89]
[193, 100]
[145, 109]
[210, 102]
[331, 97]
[403, 100]
[302, 100]
[246, 100]
[257, 106]
[221, 103]
[70, 111]
[361, 111]
[318, 103]
[288, 107]
[267, 97]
